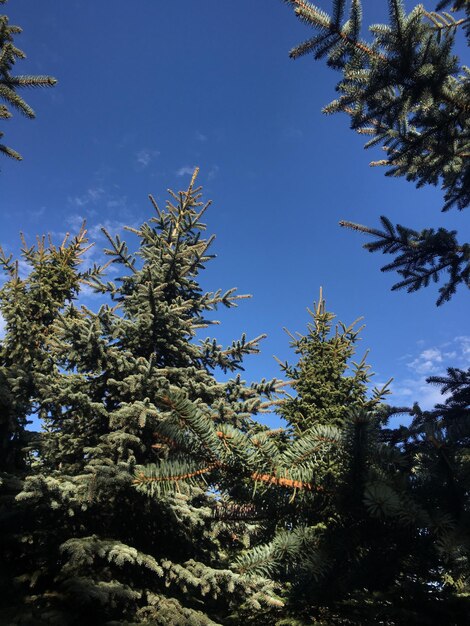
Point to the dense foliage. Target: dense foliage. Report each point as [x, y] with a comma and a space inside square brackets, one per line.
[378, 530]
[153, 495]
[112, 388]
[408, 91]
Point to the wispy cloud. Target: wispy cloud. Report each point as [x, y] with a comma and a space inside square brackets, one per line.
[91, 196]
[113, 227]
[117, 202]
[464, 343]
[430, 361]
[94, 230]
[74, 223]
[94, 200]
[410, 390]
[427, 362]
[95, 236]
[145, 156]
[186, 170]
[35, 214]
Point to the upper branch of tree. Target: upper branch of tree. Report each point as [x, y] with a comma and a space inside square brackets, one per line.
[10, 84]
[420, 256]
[405, 88]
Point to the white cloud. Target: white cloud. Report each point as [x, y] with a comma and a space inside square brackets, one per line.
[145, 156]
[92, 203]
[112, 226]
[95, 237]
[2, 326]
[95, 193]
[427, 362]
[75, 221]
[464, 343]
[450, 355]
[117, 202]
[186, 170]
[35, 214]
[410, 390]
[431, 361]
[91, 196]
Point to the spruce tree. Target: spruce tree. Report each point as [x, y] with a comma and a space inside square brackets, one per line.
[378, 532]
[9, 84]
[359, 523]
[321, 494]
[408, 92]
[319, 378]
[125, 387]
[29, 306]
[333, 425]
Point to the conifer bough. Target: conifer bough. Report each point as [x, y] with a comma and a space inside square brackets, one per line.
[408, 92]
[9, 84]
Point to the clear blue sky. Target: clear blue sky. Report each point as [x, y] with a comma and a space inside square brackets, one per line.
[149, 89]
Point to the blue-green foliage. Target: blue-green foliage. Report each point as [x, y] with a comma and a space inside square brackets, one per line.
[117, 389]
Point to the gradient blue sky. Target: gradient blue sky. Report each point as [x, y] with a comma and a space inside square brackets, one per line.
[149, 89]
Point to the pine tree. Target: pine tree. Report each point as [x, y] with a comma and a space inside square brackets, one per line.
[319, 377]
[359, 523]
[333, 423]
[126, 387]
[408, 92]
[9, 84]
[29, 306]
[379, 532]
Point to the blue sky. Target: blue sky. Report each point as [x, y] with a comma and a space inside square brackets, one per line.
[150, 89]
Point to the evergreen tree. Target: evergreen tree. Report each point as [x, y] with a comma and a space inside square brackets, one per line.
[9, 84]
[29, 306]
[258, 472]
[358, 522]
[319, 377]
[408, 92]
[333, 429]
[380, 535]
[114, 395]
